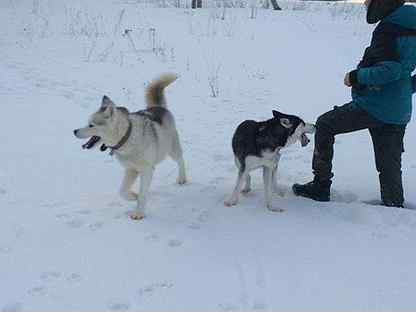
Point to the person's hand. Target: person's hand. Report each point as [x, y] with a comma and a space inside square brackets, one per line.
[347, 81]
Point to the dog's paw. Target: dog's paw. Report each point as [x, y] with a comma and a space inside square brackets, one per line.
[181, 180]
[137, 215]
[130, 196]
[245, 191]
[230, 202]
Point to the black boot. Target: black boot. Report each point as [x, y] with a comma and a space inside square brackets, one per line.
[316, 190]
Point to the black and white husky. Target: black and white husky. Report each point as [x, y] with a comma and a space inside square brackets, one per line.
[258, 144]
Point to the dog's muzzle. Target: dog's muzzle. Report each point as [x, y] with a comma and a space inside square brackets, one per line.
[304, 140]
[91, 142]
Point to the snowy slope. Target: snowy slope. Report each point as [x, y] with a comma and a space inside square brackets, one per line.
[66, 242]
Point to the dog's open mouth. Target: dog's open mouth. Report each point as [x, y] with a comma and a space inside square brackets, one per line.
[91, 142]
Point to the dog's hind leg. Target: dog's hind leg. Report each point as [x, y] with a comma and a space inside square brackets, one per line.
[145, 181]
[275, 186]
[247, 186]
[177, 155]
[242, 175]
[130, 177]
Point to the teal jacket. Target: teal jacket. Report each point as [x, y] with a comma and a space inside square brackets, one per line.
[389, 84]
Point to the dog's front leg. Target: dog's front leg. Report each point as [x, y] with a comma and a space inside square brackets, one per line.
[130, 177]
[145, 181]
[237, 189]
[267, 180]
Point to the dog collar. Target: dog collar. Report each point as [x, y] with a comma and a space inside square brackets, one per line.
[122, 141]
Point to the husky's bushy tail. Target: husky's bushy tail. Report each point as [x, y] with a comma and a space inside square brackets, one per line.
[155, 96]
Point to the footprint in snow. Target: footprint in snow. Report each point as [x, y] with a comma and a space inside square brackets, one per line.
[5, 249]
[62, 216]
[19, 231]
[74, 278]
[50, 276]
[379, 235]
[75, 223]
[150, 289]
[2, 191]
[68, 95]
[152, 238]
[12, 307]
[259, 306]
[37, 291]
[227, 307]
[118, 306]
[194, 226]
[203, 216]
[217, 180]
[95, 226]
[175, 243]
[208, 189]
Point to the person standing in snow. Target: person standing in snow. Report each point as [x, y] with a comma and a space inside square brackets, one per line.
[382, 88]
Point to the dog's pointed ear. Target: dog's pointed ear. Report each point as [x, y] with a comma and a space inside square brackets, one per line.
[276, 114]
[285, 123]
[108, 111]
[106, 101]
[107, 106]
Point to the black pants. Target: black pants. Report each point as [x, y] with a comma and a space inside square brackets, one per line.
[387, 142]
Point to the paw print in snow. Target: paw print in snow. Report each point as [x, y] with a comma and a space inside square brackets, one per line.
[12, 307]
[74, 278]
[118, 306]
[174, 243]
[50, 276]
[37, 291]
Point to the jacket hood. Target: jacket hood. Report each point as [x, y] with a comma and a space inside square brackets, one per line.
[379, 9]
[405, 16]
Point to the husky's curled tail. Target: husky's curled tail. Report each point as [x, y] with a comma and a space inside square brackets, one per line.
[155, 96]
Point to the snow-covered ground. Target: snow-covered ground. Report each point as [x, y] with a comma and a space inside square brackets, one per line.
[66, 243]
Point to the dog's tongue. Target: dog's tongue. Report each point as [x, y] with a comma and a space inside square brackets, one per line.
[91, 142]
[304, 140]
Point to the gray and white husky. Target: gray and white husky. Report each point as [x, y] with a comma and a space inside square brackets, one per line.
[139, 140]
[258, 145]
